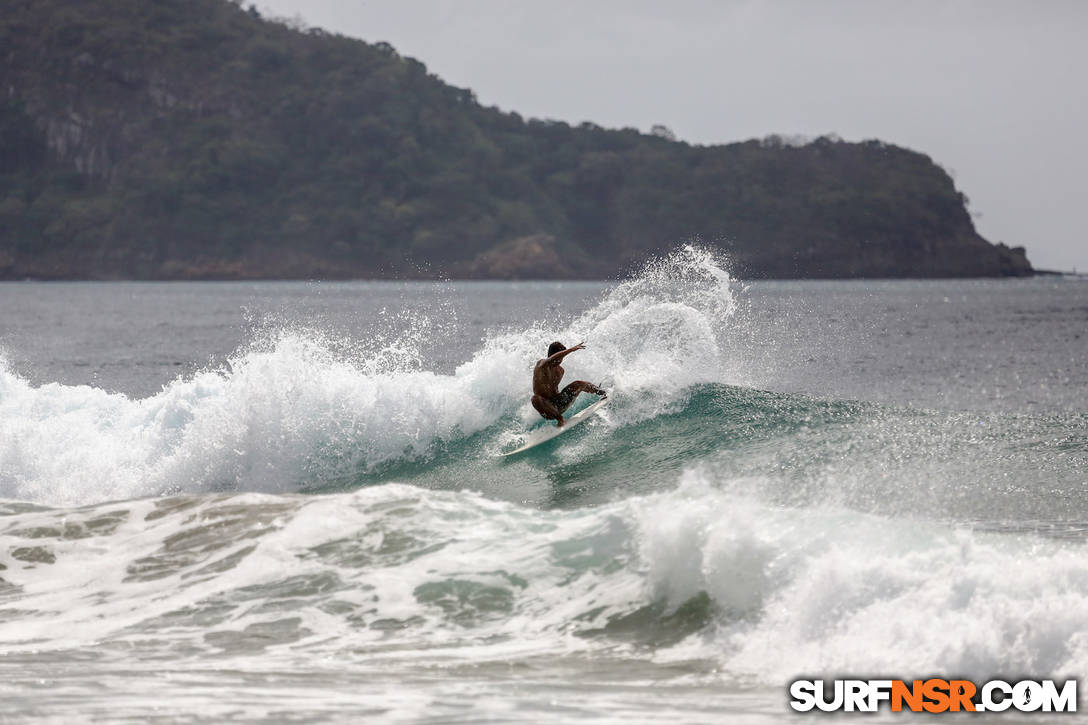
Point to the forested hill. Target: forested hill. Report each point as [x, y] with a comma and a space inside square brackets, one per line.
[194, 139]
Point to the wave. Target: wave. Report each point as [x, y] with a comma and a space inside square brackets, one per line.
[782, 449]
[830, 590]
[297, 412]
[786, 450]
[291, 410]
[758, 593]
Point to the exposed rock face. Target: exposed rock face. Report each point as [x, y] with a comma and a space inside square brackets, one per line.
[190, 139]
[1013, 262]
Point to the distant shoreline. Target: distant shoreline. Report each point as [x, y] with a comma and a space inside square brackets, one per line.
[394, 280]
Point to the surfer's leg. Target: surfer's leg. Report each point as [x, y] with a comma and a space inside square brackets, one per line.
[568, 394]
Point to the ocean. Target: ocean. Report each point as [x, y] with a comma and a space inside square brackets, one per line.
[284, 501]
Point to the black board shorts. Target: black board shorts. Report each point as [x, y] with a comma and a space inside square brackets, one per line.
[565, 398]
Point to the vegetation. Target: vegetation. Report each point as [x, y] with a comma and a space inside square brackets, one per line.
[194, 139]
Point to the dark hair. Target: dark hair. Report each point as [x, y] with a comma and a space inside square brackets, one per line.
[555, 347]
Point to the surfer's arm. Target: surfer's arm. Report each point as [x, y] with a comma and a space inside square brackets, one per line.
[557, 357]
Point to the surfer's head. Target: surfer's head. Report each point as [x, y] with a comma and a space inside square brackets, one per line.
[555, 347]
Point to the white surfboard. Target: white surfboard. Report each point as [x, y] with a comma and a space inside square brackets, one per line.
[549, 431]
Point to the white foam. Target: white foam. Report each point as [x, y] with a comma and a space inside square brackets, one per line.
[272, 418]
[835, 591]
[793, 591]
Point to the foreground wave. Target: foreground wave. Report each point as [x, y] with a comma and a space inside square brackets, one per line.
[398, 573]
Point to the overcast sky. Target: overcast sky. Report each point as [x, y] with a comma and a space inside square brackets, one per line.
[994, 91]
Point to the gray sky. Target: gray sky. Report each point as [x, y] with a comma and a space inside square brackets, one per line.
[994, 91]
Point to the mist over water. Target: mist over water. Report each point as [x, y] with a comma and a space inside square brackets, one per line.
[282, 500]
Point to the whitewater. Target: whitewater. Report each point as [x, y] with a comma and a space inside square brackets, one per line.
[285, 502]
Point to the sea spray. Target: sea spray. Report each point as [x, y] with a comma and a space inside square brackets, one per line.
[293, 410]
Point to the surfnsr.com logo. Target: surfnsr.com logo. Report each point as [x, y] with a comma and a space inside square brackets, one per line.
[933, 695]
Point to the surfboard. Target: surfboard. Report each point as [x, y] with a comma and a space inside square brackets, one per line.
[550, 430]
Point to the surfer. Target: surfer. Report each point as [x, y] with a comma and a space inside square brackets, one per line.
[548, 399]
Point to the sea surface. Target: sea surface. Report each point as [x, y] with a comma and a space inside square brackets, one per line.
[284, 502]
